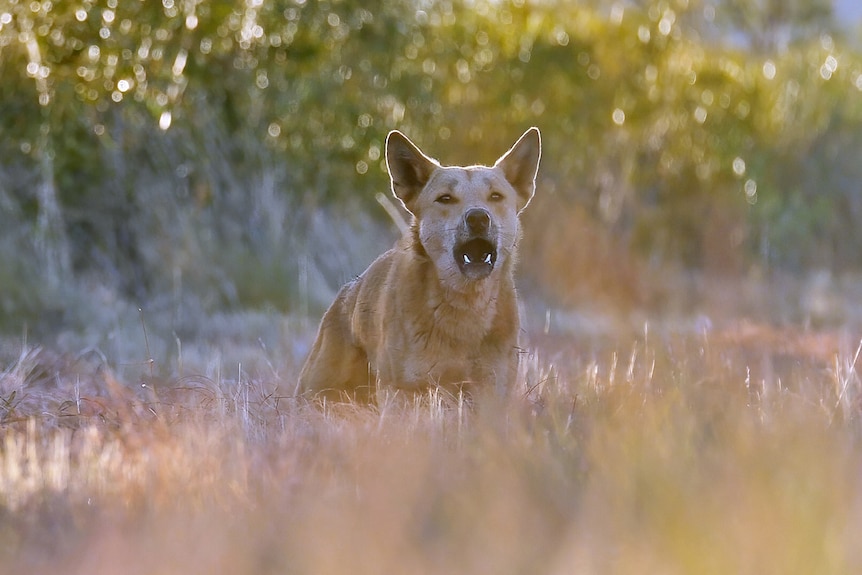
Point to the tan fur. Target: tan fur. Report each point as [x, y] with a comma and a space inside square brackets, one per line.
[439, 308]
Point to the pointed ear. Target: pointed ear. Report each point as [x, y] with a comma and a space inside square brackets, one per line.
[521, 164]
[409, 168]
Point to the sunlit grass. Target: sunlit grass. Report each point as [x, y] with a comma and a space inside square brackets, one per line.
[675, 454]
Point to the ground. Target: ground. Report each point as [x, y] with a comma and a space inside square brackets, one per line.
[670, 448]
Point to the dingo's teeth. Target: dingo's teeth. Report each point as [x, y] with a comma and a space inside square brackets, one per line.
[467, 259]
[487, 259]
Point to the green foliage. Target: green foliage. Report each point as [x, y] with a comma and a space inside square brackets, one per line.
[138, 117]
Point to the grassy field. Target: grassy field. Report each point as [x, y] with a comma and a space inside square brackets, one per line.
[701, 449]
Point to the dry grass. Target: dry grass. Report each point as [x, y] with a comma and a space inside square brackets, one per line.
[717, 452]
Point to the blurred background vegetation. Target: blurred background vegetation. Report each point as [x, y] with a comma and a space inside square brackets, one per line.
[191, 156]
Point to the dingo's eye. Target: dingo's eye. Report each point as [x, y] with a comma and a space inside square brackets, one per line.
[495, 197]
[445, 199]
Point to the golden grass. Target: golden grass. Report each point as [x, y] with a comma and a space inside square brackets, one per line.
[700, 453]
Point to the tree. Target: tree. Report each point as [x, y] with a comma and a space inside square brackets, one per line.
[771, 26]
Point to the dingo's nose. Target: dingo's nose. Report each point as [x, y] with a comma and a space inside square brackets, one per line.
[478, 220]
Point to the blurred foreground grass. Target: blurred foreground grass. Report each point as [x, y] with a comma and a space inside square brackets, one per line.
[714, 450]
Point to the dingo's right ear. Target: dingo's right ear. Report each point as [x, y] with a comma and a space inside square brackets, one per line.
[409, 168]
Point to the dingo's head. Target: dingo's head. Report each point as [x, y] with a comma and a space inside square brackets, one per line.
[465, 218]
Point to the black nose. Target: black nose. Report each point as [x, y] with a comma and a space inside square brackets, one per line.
[478, 220]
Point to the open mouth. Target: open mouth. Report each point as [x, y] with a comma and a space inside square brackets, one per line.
[476, 257]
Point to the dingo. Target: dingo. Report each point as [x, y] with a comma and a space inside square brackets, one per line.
[439, 308]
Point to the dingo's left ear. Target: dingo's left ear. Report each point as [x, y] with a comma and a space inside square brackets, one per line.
[409, 168]
[521, 164]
